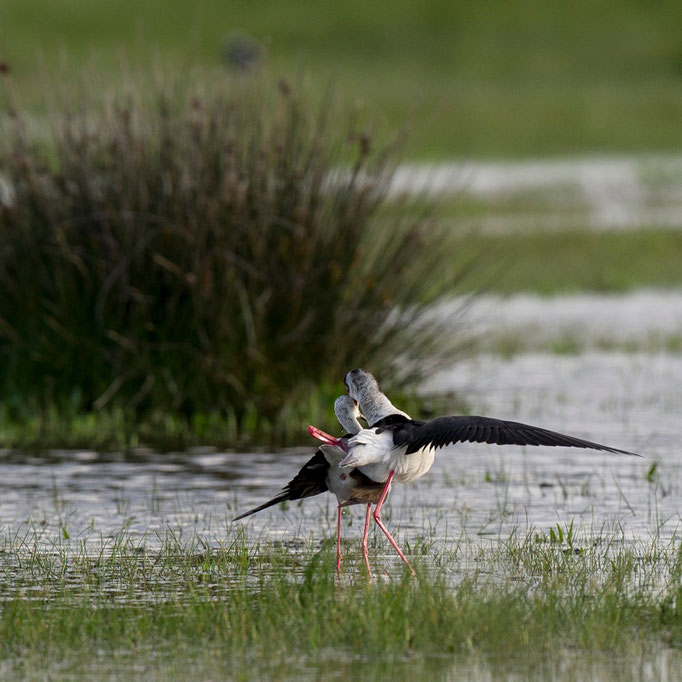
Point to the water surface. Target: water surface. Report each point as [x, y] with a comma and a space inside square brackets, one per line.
[625, 400]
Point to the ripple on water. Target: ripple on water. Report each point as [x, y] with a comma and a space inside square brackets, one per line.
[625, 400]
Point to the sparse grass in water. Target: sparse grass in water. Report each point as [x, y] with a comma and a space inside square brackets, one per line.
[539, 595]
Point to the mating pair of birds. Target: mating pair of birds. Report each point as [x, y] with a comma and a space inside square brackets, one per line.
[360, 467]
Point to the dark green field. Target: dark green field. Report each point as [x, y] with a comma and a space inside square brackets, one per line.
[574, 261]
[488, 79]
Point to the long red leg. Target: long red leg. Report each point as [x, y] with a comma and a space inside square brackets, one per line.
[377, 518]
[338, 544]
[365, 554]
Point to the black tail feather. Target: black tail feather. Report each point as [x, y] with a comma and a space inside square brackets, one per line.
[309, 481]
[282, 497]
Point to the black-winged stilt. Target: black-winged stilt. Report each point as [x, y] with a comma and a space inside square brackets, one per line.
[321, 473]
[398, 448]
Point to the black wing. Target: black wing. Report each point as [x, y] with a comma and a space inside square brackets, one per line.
[310, 480]
[447, 430]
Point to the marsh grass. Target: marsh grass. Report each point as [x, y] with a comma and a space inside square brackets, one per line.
[208, 257]
[522, 600]
[580, 260]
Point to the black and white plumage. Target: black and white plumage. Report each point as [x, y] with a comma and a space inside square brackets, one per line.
[321, 473]
[394, 442]
[443, 431]
[398, 448]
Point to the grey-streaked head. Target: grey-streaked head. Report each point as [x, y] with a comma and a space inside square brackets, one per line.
[347, 412]
[374, 404]
[361, 384]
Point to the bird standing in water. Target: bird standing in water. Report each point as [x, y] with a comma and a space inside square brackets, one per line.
[398, 448]
[321, 473]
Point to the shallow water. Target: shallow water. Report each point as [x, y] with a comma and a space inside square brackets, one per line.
[565, 666]
[619, 192]
[630, 401]
[79, 504]
[644, 320]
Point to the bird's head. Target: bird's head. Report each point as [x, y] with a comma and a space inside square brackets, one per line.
[364, 389]
[347, 411]
[361, 385]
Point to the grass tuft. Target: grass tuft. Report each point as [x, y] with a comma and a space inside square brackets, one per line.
[218, 254]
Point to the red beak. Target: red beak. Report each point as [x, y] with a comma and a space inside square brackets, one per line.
[325, 437]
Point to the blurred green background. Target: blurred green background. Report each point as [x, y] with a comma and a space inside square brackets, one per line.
[488, 80]
[481, 79]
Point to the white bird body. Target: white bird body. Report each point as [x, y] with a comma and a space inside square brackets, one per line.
[322, 472]
[348, 486]
[372, 452]
[396, 442]
[395, 447]
[398, 448]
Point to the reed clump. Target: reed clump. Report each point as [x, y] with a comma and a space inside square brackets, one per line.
[219, 253]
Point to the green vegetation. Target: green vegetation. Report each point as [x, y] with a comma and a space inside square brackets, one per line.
[208, 259]
[166, 280]
[572, 261]
[484, 79]
[163, 316]
[201, 263]
[171, 258]
[244, 606]
[121, 429]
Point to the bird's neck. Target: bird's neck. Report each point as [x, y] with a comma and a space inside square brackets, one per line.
[351, 425]
[377, 407]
